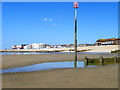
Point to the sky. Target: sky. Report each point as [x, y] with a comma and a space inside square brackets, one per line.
[53, 22]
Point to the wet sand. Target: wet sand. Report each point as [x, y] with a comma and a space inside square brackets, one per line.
[9, 61]
[102, 77]
[94, 77]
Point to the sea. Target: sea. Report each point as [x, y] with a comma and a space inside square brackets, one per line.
[31, 53]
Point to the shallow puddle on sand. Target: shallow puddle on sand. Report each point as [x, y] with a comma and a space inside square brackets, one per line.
[45, 66]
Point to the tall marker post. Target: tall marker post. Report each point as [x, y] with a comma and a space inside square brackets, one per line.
[75, 33]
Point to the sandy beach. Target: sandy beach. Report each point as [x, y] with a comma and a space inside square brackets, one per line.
[92, 77]
[102, 77]
[59, 44]
[108, 48]
[9, 61]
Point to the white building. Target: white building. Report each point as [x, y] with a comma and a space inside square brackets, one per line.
[38, 45]
[28, 47]
[16, 47]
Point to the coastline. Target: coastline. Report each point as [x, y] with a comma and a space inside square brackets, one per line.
[90, 77]
[56, 44]
[106, 48]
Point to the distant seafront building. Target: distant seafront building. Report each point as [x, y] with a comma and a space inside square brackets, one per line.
[18, 46]
[99, 42]
[110, 41]
[41, 46]
[30, 46]
[38, 45]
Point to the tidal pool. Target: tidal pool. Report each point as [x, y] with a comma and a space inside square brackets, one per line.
[45, 66]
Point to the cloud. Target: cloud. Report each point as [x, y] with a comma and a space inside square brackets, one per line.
[48, 19]
[45, 19]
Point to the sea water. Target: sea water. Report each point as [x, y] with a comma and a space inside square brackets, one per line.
[45, 66]
[30, 53]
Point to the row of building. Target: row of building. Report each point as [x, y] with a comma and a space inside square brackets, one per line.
[99, 42]
[39, 46]
[30, 46]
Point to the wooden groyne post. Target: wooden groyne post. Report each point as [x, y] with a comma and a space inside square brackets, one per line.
[101, 60]
[86, 62]
[115, 59]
